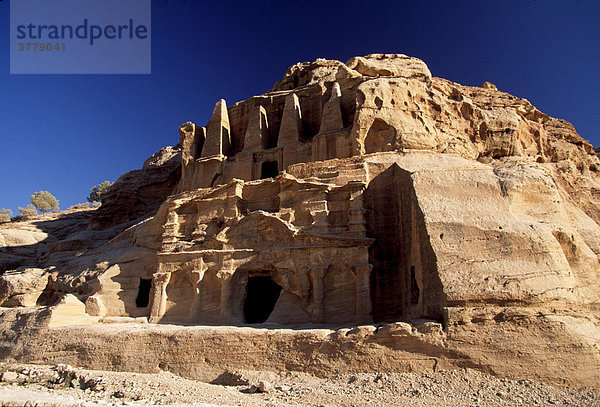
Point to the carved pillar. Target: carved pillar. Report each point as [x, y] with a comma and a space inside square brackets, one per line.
[317, 274]
[319, 213]
[318, 209]
[191, 138]
[218, 132]
[362, 273]
[356, 223]
[331, 119]
[226, 278]
[171, 228]
[159, 295]
[256, 137]
[303, 281]
[290, 130]
[356, 212]
[197, 273]
[195, 276]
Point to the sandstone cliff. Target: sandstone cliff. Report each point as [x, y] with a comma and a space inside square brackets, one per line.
[139, 192]
[461, 220]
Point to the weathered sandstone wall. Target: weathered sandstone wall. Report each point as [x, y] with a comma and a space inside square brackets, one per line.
[460, 224]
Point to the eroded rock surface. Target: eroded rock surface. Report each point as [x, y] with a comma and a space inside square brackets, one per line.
[139, 192]
[445, 225]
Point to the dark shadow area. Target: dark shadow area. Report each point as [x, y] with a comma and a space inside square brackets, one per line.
[390, 250]
[261, 295]
[415, 292]
[143, 298]
[269, 169]
[400, 291]
[197, 153]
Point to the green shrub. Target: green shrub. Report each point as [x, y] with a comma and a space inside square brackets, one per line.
[97, 191]
[44, 201]
[5, 215]
[28, 211]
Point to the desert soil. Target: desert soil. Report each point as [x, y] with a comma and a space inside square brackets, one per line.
[62, 385]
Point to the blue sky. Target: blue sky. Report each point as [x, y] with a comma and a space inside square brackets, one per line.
[66, 133]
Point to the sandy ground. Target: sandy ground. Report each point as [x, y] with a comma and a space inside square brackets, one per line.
[62, 385]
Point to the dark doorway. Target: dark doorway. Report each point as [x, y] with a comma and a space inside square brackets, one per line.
[269, 169]
[261, 295]
[143, 298]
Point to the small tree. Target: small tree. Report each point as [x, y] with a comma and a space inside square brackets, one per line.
[97, 192]
[5, 215]
[28, 211]
[44, 201]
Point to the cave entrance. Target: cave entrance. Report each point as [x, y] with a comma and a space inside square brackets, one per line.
[269, 169]
[261, 295]
[143, 297]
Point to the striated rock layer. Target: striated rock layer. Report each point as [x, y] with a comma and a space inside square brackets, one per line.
[461, 218]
